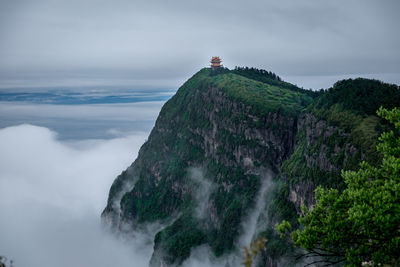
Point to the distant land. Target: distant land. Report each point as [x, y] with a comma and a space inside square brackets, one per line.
[76, 97]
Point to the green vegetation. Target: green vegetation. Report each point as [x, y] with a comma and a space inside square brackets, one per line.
[345, 139]
[219, 119]
[270, 78]
[177, 143]
[218, 71]
[257, 74]
[346, 108]
[261, 97]
[362, 223]
[253, 250]
[362, 96]
[351, 105]
[280, 206]
[181, 236]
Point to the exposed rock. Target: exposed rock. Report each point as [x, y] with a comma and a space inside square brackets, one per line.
[210, 126]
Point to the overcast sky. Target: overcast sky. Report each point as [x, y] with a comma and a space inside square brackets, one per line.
[162, 43]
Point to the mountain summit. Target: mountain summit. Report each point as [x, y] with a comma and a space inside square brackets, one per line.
[235, 152]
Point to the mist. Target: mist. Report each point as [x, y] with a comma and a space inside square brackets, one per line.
[203, 192]
[52, 193]
[54, 182]
[203, 255]
[249, 225]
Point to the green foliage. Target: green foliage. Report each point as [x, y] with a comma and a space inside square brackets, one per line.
[230, 205]
[362, 96]
[219, 70]
[251, 99]
[261, 97]
[270, 78]
[354, 126]
[362, 223]
[152, 203]
[176, 143]
[256, 74]
[274, 248]
[222, 238]
[364, 129]
[338, 116]
[296, 170]
[178, 239]
[351, 105]
[283, 227]
[280, 207]
[253, 250]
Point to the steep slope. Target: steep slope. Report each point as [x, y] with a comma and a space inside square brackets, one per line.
[217, 145]
[235, 131]
[337, 131]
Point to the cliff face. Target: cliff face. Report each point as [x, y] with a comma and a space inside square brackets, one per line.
[215, 148]
[322, 147]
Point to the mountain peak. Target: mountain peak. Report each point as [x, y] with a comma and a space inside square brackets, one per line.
[241, 130]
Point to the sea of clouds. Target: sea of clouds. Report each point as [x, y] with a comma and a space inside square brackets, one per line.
[51, 197]
[57, 163]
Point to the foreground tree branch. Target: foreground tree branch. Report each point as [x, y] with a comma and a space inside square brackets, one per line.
[361, 224]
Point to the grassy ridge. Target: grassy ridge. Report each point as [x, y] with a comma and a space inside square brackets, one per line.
[260, 96]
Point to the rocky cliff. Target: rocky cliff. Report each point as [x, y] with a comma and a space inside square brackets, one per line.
[232, 154]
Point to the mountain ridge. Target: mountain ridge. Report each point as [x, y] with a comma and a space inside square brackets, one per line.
[236, 130]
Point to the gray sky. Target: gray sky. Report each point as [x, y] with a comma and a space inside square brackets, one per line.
[162, 43]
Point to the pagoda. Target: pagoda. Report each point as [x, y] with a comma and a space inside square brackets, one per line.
[215, 63]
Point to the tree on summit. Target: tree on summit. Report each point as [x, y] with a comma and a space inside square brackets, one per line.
[360, 225]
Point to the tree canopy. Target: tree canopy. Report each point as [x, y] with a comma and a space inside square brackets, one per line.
[270, 78]
[363, 96]
[361, 224]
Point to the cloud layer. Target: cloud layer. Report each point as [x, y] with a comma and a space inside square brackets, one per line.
[51, 197]
[84, 121]
[163, 43]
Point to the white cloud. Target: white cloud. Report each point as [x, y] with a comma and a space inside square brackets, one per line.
[51, 197]
[52, 193]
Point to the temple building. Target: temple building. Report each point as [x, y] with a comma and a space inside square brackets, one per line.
[215, 63]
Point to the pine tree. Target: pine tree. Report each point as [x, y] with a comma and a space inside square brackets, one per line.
[361, 224]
